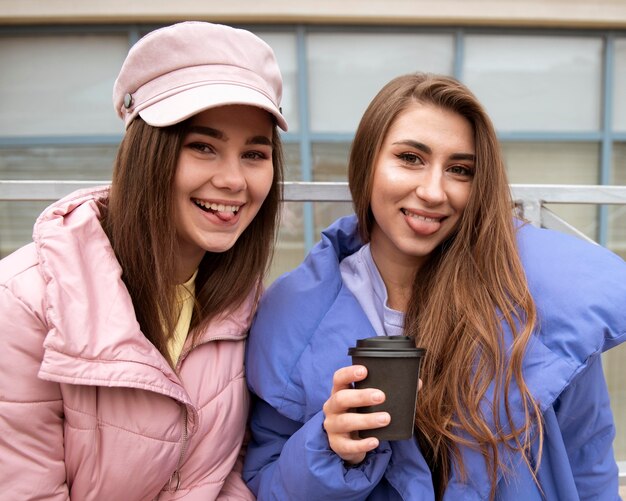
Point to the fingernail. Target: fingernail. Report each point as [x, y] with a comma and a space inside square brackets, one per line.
[383, 419]
[359, 372]
[378, 396]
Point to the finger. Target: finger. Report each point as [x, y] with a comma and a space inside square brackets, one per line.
[344, 377]
[353, 451]
[350, 422]
[350, 398]
[420, 384]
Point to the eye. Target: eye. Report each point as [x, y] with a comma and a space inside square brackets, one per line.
[255, 155]
[461, 170]
[201, 147]
[409, 158]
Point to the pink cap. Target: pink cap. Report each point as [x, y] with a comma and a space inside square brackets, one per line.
[175, 72]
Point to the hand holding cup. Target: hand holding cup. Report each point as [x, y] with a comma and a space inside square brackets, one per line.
[342, 422]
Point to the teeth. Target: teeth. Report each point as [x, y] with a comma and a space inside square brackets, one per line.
[422, 218]
[217, 207]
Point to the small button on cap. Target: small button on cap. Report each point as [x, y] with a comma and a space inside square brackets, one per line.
[128, 100]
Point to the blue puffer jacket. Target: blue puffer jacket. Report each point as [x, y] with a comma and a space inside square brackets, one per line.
[308, 319]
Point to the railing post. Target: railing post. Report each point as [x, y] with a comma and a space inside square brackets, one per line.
[531, 210]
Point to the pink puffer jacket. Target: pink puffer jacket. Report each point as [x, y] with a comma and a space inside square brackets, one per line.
[89, 409]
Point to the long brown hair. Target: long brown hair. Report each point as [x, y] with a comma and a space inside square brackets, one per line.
[471, 286]
[139, 221]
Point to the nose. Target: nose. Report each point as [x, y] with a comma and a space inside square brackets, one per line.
[230, 175]
[431, 187]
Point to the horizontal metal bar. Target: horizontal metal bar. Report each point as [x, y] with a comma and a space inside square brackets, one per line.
[316, 192]
[22, 190]
[27, 190]
[570, 193]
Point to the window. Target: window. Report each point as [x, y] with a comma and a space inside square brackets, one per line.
[536, 83]
[346, 70]
[558, 163]
[619, 112]
[60, 85]
[617, 213]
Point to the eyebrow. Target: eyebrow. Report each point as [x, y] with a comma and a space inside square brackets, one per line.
[218, 134]
[207, 131]
[426, 149]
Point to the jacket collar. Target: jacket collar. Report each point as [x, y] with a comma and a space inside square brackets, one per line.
[94, 337]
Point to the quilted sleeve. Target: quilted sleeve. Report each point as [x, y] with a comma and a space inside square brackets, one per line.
[290, 460]
[31, 411]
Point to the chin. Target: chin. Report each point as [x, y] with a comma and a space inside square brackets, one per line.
[217, 248]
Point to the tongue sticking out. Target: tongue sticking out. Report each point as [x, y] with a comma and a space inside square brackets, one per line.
[224, 216]
[225, 213]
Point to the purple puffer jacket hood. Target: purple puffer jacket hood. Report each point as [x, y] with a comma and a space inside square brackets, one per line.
[89, 409]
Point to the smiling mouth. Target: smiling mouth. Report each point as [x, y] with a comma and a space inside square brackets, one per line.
[422, 218]
[214, 208]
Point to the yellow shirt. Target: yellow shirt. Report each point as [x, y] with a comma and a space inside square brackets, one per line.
[185, 296]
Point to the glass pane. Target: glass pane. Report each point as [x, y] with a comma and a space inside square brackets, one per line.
[289, 251]
[60, 85]
[330, 161]
[619, 86]
[284, 45]
[327, 212]
[58, 162]
[346, 70]
[617, 213]
[16, 224]
[293, 171]
[614, 362]
[558, 163]
[536, 83]
[88, 163]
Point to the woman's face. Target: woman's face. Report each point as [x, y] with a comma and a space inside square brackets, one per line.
[224, 172]
[422, 179]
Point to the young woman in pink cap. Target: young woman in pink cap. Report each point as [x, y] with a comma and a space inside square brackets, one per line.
[123, 323]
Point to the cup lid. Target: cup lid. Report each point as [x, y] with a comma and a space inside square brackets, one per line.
[392, 346]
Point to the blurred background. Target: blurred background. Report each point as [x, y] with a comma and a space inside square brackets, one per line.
[551, 73]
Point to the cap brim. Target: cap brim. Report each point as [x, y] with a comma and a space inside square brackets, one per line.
[185, 104]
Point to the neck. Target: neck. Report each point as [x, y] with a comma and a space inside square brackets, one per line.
[186, 267]
[397, 276]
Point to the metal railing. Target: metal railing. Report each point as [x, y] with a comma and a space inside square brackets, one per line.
[530, 198]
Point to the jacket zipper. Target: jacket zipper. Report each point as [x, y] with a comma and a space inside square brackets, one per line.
[174, 482]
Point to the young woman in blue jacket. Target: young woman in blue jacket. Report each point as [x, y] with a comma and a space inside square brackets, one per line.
[514, 404]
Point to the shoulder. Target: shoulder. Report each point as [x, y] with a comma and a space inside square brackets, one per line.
[299, 333]
[550, 255]
[579, 288]
[579, 291]
[21, 279]
[24, 323]
[306, 293]
[17, 263]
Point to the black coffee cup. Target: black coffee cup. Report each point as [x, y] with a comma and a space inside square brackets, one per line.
[393, 365]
